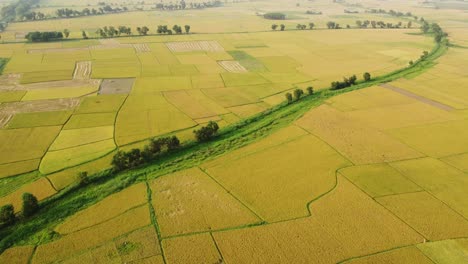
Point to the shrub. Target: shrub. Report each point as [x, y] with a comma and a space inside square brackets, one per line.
[298, 93]
[289, 97]
[347, 82]
[207, 132]
[30, 205]
[7, 215]
[310, 90]
[83, 177]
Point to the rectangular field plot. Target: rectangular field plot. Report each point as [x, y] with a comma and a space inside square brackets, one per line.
[189, 104]
[116, 68]
[90, 120]
[379, 180]
[116, 86]
[211, 46]
[427, 215]
[229, 97]
[58, 160]
[57, 93]
[279, 187]
[71, 244]
[458, 161]
[163, 54]
[149, 115]
[159, 84]
[39, 119]
[441, 180]
[436, 143]
[250, 63]
[207, 81]
[111, 207]
[11, 96]
[247, 110]
[446, 251]
[20, 167]
[360, 143]
[101, 104]
[232, 66]
[78, 137]
[240, 79]
[26, 143]
[20, 254]
[189, 202]
[191, 249]
[82, 70]
[46, 76]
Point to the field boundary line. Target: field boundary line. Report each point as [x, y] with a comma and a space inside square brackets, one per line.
[32, 255]
[232, 195]
[417, 97]
[154, 219]
[217, 248]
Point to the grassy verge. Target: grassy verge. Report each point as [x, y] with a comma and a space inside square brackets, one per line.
[39, 229]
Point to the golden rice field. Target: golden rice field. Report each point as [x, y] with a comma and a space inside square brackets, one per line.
[374, 175]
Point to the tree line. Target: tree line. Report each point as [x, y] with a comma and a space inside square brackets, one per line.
[17, 10]
[30, 206]
[157, 148]
[44, 36]
[184, 5]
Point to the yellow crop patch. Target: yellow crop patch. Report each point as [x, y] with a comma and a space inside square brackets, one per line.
[407, 255]
[158, 84]
[11, 96]
[20, 254]
[193, 106]
[189, 202]
[42, 94]
[19, 167]
[83, 136]
[90, 120]
[191, 249]
[110, 207]
[25, 120]
[426, 214]
[40, 188]
[101, 104]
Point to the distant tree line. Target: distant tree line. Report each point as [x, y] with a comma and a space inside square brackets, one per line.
[184, 5]
[30, 206]
[106, 9]
[310, 12]
[297, 94]
[435, 29]
[391, 13]
[381, 24]
[44, 36]
[17, 10]
[111, 31]
[275, 16]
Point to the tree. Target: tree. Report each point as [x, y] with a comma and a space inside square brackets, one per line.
[83, 178]
[7, 215]
[84, 35]
[331, 25]
[367, 76]
[310, 90]
[144, 30]
[298, 93]
[187, 28]
[425, 27]
[66, 33]
[311, 26]
[289, 97]
[30, 205]
[282, 26]
[274, 27]
[359, 23]
[207, 132]
[410, 24]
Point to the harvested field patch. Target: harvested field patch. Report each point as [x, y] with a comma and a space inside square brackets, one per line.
[447, 251]
[101, 104]
[55, 161]
[191, 249]
[189, 201]
[26, 143]
[232, 66]
[39, 106]
[436, 144]
[426, 214]
[40, 188]
[441, 180]
[96, 235]
[82, 70]
[57, 93]
[111, 207]
[361, 144]
[17, 255]
[4, 119]
[379, 179]
[25, 120]
[78, 137]
[116, 86]
[188, 46]
[407, 255]
[277, 188]
[20, 167]
[90, 120]
[141, 48]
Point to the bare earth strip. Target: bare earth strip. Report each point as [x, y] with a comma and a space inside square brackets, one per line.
[141, 48]
[11, 84]
[194, 46]
[82, 70]
[4, 118]
[417, 97]
[38, 106]
[232, 66]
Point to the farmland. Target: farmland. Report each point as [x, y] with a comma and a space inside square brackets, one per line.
[371, 173]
